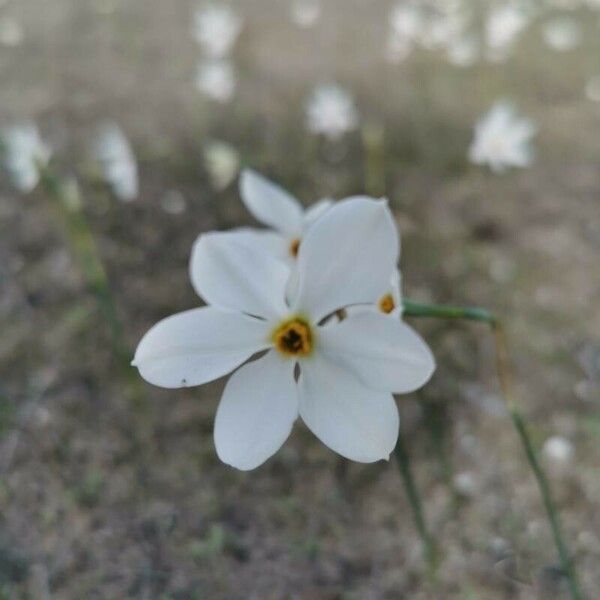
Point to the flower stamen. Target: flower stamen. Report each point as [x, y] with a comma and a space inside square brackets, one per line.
[294, 247]
[293, 337]
[387, 304]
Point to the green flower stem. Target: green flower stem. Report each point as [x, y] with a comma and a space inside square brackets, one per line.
[416, 309]
[414, 499]
[65, 194]
[374, 150]
[69, 207]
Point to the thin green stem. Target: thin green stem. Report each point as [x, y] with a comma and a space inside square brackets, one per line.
[69, 207]
[416, 309]
[374, 149]
[414, 499]
[65, 194]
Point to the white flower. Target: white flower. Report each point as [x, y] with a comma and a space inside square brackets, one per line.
[463, 52]
[338, 378]
[558, 449]
[216, 29]
[331, 111]
[406, 24]
[117, 161]
[11, 32]
[23, 152]
[502, 139]
[305, 13]
[222, 163]
[216, 79]
[562, 34]
[592, 88]
[279, 210]
[503, 25]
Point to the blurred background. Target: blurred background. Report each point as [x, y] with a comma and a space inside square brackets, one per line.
[110, 488]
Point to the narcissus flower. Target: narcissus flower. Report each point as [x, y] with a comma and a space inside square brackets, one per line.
[215, 78]
[502, 139]
[117, 161]
[216, 28]
[338, 376]
[276, 208]
[331, 111]
[24, 152]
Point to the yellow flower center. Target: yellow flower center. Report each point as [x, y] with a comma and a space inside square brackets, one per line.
[293, 337]
[387, 304]
[294, 247]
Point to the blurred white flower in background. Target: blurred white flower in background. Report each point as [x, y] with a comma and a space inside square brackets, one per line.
[348, 370]
[23, 151]
[222, 163]
[117, 161]
[435, 26]
[559, 450]
[11, 32]
[305, 13]
[215, 78]
[503, 25]
[406, 24]
[216, 28]
[463, 52]
[562, 34]
[592, 88]
[502, 139]
[331, 111]
[273, 206]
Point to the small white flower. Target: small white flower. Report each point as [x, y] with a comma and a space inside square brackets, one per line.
[562, 34]
[23, 152]
[502, 139]
[117, 161]
[504, 24]
[305, 13]
[279, 210]
[347, 370]
[463, 52]
[11, 32]
[592, 88]
[331, 111]
[216, 79]
[216, 28]
[222, 163]
[558, 449]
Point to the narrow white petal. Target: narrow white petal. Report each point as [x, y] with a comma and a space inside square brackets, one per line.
[353, 420]
[384, 353]
[271, 204]
[198, 345]
[346, 257]
[230, 274]
[257, 411]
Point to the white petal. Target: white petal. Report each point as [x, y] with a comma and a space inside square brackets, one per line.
[257, 411]
[230, 274]
[315, 211]
[265, 240]
[346, 257]
[271, 204]
[383, 352]
[354, 421]
[198, 345]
